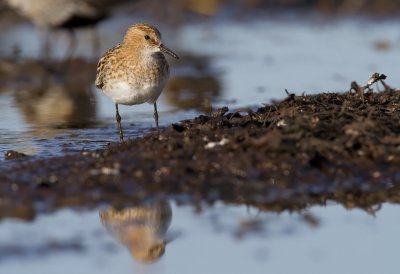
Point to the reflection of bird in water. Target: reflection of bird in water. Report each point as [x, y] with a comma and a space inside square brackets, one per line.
[193, 92]
[141, 229]
[51, 100]
[56, 106]
[67, 14]
[196, 86]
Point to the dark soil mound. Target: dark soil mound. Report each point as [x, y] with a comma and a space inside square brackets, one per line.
[287, 155]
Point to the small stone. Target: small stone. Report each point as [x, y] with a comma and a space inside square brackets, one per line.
[13, 155]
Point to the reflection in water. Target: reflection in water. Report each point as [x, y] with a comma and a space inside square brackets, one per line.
[52, 96]
[55, 105]
[141, 229]
[287, 246]
[193, 92]
[196, 86]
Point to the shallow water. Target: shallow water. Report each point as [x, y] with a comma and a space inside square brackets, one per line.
[250, 64]
[221, 239]
[29, 138]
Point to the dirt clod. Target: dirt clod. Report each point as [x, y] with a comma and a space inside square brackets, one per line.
[13, 155]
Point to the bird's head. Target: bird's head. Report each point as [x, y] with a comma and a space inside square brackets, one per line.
[147, 38]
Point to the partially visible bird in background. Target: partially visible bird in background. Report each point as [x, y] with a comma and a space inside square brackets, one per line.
[48, 15]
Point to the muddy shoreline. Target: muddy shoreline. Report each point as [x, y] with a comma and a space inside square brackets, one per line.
[288, 155]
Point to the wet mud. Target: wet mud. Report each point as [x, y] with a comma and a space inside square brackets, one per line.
[288, 155]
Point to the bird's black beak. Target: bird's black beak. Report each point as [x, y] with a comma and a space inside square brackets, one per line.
[166, 50]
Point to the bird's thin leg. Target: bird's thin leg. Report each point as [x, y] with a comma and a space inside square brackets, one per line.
[118, 118]
[156, 116]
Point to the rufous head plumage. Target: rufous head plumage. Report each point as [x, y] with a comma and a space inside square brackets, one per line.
[148, 38]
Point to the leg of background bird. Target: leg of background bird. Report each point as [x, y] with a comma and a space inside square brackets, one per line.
[118, 118]
[72, 45]
[156, 116]
[45, 51]
[70, 51]
[95, 42]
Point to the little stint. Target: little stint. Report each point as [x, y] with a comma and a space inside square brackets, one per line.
[135, 71]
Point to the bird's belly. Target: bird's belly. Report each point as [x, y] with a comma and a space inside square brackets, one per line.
[128, 94]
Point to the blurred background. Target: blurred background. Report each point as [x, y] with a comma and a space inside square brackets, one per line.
[240, 54]
[235, 53]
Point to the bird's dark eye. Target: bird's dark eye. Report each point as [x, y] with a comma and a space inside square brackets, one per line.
[146, 37]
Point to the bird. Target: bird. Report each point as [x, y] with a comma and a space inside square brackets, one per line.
[63, 14]
[57, 13]
[135, 71]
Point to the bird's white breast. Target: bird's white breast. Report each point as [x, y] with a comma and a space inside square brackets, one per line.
[122, 92]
